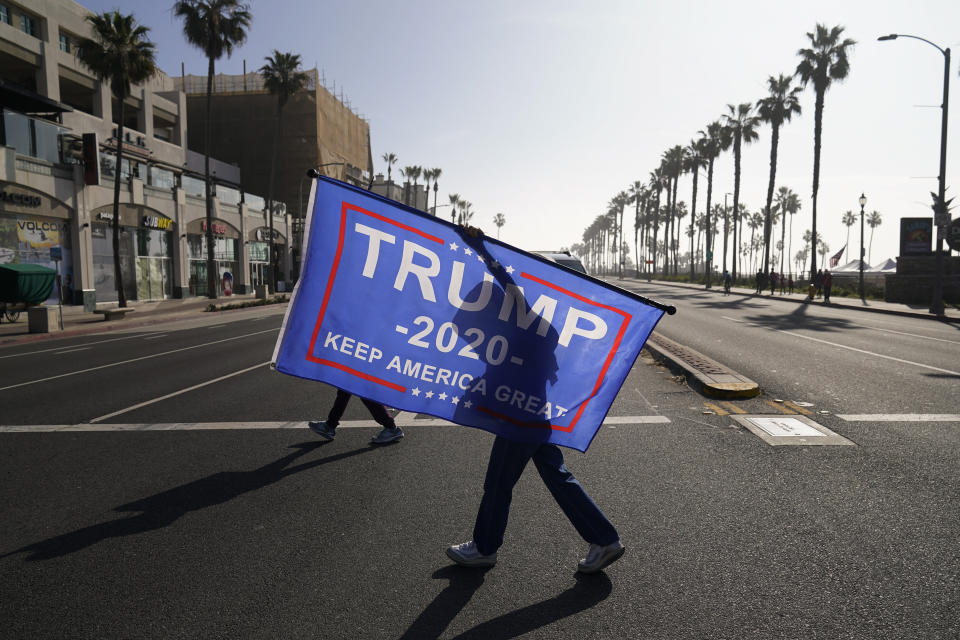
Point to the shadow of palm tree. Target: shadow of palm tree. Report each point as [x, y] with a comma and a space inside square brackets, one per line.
[164, 508]
[587, 592]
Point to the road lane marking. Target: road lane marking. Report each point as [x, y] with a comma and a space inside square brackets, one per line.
[177, 393]
[904, 333]
[900, 417]
[302, 424]
[779, 407]
[31, 353]
[116, 364]
[798, 408]
[216, 326]
[716, 409]
[869, 353]
[59, 353]
[162, 335]
[732, 407]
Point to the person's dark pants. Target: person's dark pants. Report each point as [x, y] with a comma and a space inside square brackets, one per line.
[507, 461]
[377, 410]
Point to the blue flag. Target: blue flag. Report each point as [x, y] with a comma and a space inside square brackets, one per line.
[406, 309]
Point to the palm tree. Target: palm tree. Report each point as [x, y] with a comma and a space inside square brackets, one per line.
[499, 220]
[215, 27]
[390, 159]
[821, 64]
[454, 203]
[742, 125]
[411, 173]
[778, 107]
[121, 54]
[874, 221]
[434, 174]
[849, 219]
[673, 162]
[282, 78]
[822, 249]
[657, 180]
[693, 160]
[465, 213]
[789, 203]
[717, 139]
[618, 204]
[636, 194]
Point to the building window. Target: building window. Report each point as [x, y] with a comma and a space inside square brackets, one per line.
[4, 14]
[29, 25]
[64, 43]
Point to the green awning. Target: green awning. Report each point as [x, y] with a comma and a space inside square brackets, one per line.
[31, 283]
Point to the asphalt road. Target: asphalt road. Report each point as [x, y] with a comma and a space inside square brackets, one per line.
[257, 530]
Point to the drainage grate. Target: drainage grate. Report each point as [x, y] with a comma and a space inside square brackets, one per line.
[777, 430]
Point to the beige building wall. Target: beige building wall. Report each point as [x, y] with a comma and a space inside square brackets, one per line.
[317, 129]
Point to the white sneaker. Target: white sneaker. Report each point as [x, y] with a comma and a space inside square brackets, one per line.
[467, 555]
[600, 556]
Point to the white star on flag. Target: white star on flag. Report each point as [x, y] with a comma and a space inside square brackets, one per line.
[455, 399]
[442, 396]
[510, 269]
[467, 404]
[415, 391]
[429, 394]
[468, 252]
[454, 246]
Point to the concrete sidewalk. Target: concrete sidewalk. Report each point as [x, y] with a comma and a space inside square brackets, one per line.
[78, 322]
[951, 314]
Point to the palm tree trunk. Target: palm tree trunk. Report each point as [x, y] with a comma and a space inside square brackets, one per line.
[674, 224]
[783, 237]
[768, 223]
[736, 200]
[271, 258]
[706, 256]
[211, 265]
[817, 133]
[693, 217]
[117, 272]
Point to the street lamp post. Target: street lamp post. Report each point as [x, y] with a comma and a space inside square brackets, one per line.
[941, 216]
[863, 203]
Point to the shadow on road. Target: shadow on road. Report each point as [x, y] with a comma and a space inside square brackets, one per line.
[800, 319]
[588, 591]
[162, 509]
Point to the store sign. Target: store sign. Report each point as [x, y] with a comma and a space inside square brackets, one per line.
[916, 236]
[157, 222]
[20, 199]
[38, 234]
[218, 228]
[262, 233]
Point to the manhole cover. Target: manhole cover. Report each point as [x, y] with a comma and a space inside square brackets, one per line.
[779, 430]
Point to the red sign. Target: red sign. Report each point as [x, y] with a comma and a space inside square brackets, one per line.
[218, 227]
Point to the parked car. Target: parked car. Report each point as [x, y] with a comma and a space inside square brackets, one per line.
[564, 258]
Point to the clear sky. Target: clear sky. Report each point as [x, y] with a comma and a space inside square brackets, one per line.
[545, 109]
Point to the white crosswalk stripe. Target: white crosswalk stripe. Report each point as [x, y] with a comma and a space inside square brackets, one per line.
[403, 419]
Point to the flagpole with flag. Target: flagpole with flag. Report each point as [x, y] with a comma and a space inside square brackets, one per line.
[835, 259]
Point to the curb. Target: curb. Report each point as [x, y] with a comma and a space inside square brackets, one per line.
[702, 373]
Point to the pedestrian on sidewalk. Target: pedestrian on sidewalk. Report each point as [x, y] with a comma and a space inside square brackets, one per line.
[790, 282]
[827, 285]
[773, 282]
[327, 429]
[726, 282]
[759, 281]
[818, 282]
[783, 284]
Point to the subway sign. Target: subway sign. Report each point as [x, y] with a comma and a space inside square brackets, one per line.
[157, 222]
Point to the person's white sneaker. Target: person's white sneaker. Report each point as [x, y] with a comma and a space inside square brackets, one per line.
[600, 556]
[467, 555]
